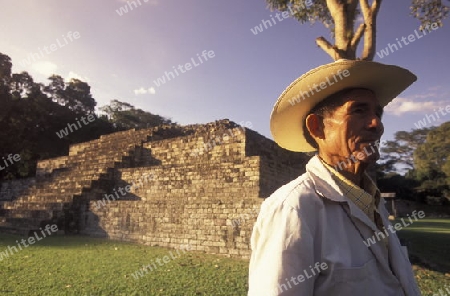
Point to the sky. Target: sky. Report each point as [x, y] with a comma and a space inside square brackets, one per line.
[233, 72]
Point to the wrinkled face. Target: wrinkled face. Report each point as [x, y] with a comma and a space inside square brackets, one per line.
[354, 128]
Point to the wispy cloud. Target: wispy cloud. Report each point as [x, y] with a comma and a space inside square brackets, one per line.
[400, 106]
[73, 75]
[151, 2]
[144, 91]
[435, 88]
[45, 68]
[433, 92]
[359, 19]
[424, 96]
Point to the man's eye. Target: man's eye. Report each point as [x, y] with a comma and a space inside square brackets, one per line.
[358, 110]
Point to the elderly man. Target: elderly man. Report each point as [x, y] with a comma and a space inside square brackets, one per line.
[312, 236]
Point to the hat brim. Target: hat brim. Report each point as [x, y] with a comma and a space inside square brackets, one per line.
[291, 108]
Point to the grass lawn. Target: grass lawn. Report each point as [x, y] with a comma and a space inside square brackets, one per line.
[429, 244]
[75, 265]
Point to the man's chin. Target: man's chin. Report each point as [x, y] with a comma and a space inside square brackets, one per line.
[368, 155]
[371, 159]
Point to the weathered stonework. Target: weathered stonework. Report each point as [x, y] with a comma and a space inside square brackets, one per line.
[200, 185]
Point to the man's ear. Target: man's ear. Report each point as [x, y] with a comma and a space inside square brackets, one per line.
[314, 124]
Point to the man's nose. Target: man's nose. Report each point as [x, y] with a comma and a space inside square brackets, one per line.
[376, 125]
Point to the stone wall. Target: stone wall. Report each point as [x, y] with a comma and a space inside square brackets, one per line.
[47, 166]
[203, 189]
[10, 190]
[200, 185]
[203, 224]
[278, 166]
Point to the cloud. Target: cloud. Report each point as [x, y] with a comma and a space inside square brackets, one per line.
[151, 2]
[143, 91]
[140, 91]
[434, 92]
[435, 88]
[424, 96]
[400, 106]
[73, 75]
[359, 19]
[45, 68]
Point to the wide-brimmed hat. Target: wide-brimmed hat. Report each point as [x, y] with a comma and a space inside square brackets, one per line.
[291, 108]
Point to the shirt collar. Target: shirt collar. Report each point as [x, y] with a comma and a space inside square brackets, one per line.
[327, 186]
[366, 197]
[368, 185]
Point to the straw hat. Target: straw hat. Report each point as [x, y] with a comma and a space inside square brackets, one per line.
[291, 108]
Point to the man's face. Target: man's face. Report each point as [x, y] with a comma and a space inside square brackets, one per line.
[354, 128]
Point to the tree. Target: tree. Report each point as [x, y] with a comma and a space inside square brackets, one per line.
[432, 161]
[400, 151]
[32, 113]
[403, 186]
[55, 89]
[423, 153]
[125, 116]
[79, 98]
[429, 11]
[75, 95]
[339, 16]
[397, 156]
[27, 124]
[5, 72]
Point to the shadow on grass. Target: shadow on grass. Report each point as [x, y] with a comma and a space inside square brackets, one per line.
[55, 240]
[427, 241]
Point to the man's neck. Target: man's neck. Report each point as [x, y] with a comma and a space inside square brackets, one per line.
[353, 171]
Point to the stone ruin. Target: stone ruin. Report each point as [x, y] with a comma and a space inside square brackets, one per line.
[170, 186]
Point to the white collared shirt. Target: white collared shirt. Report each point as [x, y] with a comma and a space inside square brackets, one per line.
[309, 224]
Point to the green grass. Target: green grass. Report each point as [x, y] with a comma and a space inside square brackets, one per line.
[75, 265]
[429, 244]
